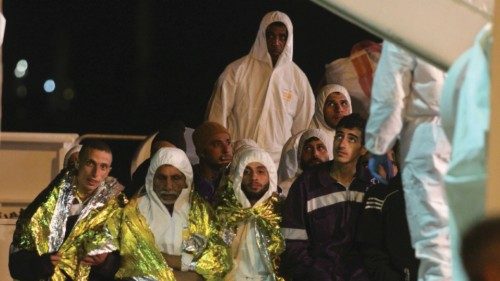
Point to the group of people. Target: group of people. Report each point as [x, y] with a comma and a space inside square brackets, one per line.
[283, 188]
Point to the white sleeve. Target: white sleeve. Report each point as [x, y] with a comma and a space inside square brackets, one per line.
[391, 86]
[222, 100]
[305, 108]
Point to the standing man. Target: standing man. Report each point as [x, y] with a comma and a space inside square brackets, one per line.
[213, 147]
[405, 104]
[63, 233]
[321, 211]
[264, 95]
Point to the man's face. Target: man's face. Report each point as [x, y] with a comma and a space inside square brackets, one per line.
[168, 183]
[314, 152]
[348, 145]
[276, 36]
[93, 169]
[255, 181]
[218, 152]
[336, 106]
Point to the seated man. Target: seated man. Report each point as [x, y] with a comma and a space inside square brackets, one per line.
[249, 216]
[383, 236]
[171, 134]
[301, 152]
[321, 210]
[181, 222]
[332, 104]
[63, 233]
[213, 147]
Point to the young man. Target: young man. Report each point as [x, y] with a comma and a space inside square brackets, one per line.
[264, 96]
[249, 216]
[213, 147]
[332, 103]
[321, 211]
[48, 240]
[302, 152]
[181, 222]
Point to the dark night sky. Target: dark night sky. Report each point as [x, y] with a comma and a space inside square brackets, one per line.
[132, 64]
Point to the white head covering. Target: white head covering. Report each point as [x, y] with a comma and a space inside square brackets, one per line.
[242, 144]
[72, 150]
[167, 228]
[259, 48]
[248, 263]
[245, 157]
[319, 117]
[289, 168]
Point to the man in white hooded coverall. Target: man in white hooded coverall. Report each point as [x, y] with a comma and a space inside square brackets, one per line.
[264, 96]
[405, 103]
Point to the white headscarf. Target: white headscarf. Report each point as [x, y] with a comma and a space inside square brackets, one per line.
[259, 48]
[245, 157]
[167, 228]
[289, 168]
[242, 144]
[318, 120]
[248, 263]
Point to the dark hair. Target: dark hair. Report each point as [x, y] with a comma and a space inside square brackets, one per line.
[92, 144]
[173, 132]
[480, 247]
[353, 121]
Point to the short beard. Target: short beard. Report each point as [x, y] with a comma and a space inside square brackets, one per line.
[254, 197]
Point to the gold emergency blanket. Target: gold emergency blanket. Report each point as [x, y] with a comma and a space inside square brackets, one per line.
[230, 214]
[41, 226]
[214, 261]
[139, 256]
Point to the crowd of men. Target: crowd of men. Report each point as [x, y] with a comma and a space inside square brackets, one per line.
[283, 189]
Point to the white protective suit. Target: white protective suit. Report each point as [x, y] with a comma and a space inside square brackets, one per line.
[465, 110]
[289, 168]
[247, 260]
[256, 101]
[405, 103]
[318, 120]
[168, 228]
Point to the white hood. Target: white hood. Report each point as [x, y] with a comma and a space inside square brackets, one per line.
[167, 228]
[319, 117]
[259, 48]
[247, 156]
[289, 168]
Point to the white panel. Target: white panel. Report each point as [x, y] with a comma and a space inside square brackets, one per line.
[28, 162]
[438, 30]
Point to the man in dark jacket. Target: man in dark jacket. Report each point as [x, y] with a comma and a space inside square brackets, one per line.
[321, 210]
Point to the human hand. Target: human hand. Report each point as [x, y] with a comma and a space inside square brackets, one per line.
[95, 259]
[55, 258]
[377, 161]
